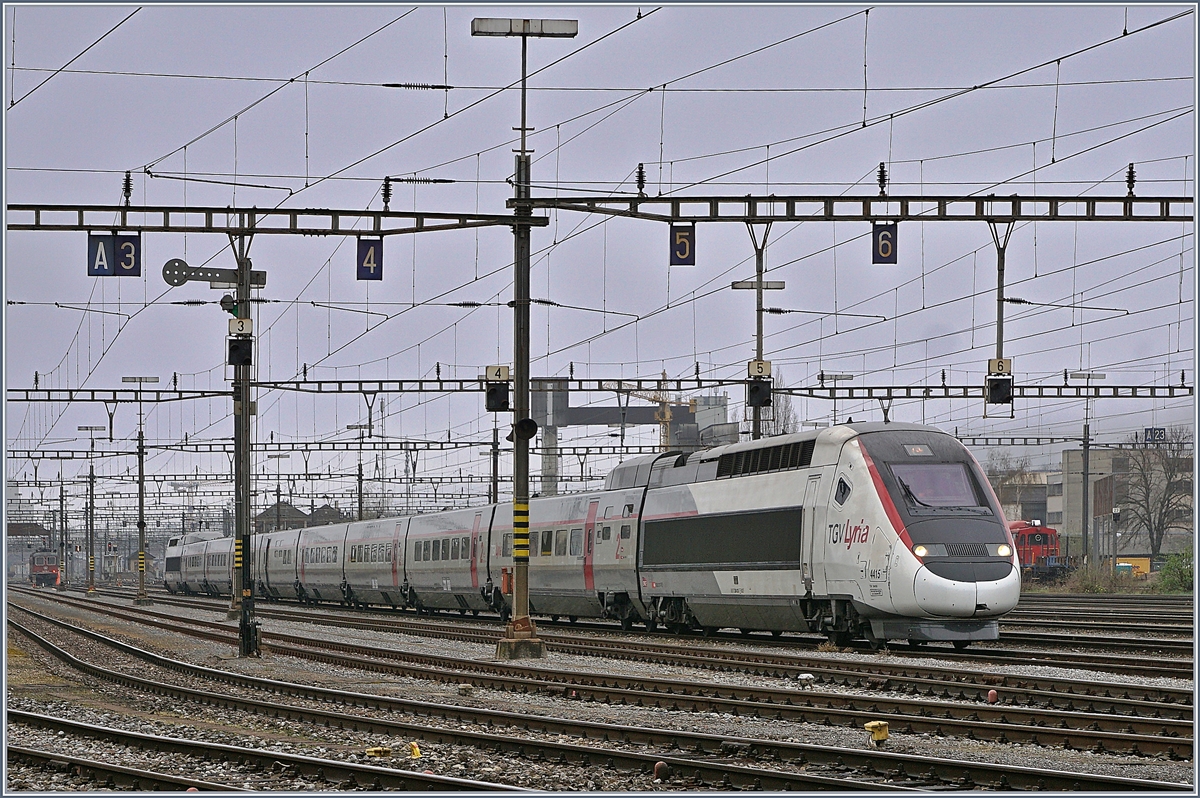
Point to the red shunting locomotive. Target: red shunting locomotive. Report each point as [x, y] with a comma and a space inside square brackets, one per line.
[1037, 548]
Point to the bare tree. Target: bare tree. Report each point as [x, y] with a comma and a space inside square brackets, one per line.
[783, 413]
[1011, 478]
[1159, 487]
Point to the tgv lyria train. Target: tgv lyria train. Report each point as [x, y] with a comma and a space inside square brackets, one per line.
[882, 531]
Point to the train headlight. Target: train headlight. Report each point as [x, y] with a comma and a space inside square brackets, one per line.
[1003, 550]
[920, 551]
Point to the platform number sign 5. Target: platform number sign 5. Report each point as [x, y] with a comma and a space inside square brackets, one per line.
[370, 258]
[883, 243]
[114, 255]
[683, 245]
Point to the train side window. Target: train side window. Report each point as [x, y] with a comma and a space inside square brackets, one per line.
[437, 550]
[589, 538]
[533, 543]
[425, 551]
[354, 554]
[445, 548]
[576, 542]
[626, 531]
[560, 542]
[416, 551]
[506, 551]
[547, 542]
[842, 492]
[606, 533]
[465, 548]
[608, 511]
[627, 511]
[454, 549]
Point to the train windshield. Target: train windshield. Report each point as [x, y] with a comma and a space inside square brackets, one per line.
[938, 485]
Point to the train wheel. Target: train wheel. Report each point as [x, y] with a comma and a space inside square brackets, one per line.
[777, 633]
[474, 613]
[553, 619]
[839, 639]
[709, 631]
[572, 618]
[651, 624]
[627, 623]
[504, 614]
[462, 612]
[916, 643]
[961, 644]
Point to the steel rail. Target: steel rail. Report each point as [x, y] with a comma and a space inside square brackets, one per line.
[112, 775]
[347, 774]
[872, 762]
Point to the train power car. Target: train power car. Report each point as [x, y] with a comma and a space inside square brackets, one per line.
[875, 531]
[1037, 549]
[44, 568]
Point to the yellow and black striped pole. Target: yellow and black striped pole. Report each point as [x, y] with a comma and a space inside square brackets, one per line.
[520, 559]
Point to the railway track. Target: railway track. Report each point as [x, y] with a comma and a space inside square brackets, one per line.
[104, 775]
[873, 770]
[470, 629]
[261, 765]
[1147, 733]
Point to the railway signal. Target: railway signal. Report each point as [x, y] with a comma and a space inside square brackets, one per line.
[758, 393]
[496, 397]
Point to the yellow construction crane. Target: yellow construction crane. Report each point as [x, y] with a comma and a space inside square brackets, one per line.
[663, 415]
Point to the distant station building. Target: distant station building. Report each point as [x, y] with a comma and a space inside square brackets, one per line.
[283, 515]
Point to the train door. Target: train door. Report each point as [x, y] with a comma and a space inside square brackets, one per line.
[398, 543]
[265, 568]
[589, 533]
[474, 556]
[808, 530]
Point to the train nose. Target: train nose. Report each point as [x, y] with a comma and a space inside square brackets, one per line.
[968, 594]
[938, 595]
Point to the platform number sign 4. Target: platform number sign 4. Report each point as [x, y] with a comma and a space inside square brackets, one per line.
[114, 255]
[370, 258]
[883, 243]
[683, 245]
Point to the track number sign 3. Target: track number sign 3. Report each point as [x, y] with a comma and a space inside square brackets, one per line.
[883, 243]
[114, 256]
[370, 258]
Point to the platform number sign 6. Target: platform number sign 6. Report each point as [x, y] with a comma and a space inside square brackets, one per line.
[370, 258]
[683, 245]
[883, 243]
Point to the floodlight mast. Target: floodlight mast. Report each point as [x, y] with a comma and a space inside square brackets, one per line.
[520, 640]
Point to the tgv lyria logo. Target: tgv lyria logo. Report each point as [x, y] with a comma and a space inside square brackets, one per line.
[849, 534]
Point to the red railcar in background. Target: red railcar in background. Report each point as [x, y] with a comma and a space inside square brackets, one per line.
[1038, 549]
[43, 568]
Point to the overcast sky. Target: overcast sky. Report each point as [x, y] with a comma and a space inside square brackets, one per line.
[287, 106]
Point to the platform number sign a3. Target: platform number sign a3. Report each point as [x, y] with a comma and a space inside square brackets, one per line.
[370, 258]
[883, 243]
[683, 245]
[115, 255]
